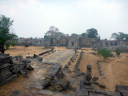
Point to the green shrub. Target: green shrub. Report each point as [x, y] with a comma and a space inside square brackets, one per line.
[13, 44]
[105, 53]
[118, 51]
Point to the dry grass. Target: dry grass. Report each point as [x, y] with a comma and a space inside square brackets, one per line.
[115, 69]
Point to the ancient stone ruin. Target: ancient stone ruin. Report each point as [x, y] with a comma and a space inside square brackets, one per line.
[10, 69]
[55, 79]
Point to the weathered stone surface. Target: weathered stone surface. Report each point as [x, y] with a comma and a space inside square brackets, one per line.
[26, 61]
[33, 92]
[15, 93]
[101, 92]
[66, 94]
[77, 64]
[124, 94]
[39, 59]
[10, 69]
[102, 86]
[122, 89]
[54, 80]
[45, 52]
[81, 93]
[46, 92]
[95, 94]
[95, 78]
[113, 93]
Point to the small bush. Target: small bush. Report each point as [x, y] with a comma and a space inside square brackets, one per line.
[111, 55]
[105, 53]
[13, 44]
[118, 51]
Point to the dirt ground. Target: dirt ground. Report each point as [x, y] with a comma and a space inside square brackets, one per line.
[115, 69]
[21, 50]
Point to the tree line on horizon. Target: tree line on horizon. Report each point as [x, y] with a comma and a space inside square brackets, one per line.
[54, 32]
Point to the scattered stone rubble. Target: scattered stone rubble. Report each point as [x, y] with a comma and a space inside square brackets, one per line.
[77, 64]
[51, 50]
[85, 82]
[123, 90]
[55, 79]
[10, 69]
[86, 88]
[99, 69]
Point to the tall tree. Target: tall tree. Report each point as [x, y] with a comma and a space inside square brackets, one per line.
[74, 34]
[84, 34]
[115, 36]
[92, 33]
[53, 32]
[5, 35]
[120, 36]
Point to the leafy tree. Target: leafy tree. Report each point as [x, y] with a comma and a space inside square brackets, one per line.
[45, 37]
[53, 32]
[126, 36]
[115, 36]
[84, 34]
[105, 53]
[74, 34]
[92, 33]
[5, 35]
[120, 36]
[13, 44]
[118, 51]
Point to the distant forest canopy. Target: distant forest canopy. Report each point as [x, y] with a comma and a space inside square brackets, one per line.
[54, 32]
[120, 36]
[89, 33]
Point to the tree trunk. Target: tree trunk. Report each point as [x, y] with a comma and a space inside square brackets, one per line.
[2, 48]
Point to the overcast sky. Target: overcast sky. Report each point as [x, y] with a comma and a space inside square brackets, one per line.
[32, 18]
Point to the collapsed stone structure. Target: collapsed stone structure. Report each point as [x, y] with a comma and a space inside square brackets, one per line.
[55, 79]
[10, 69]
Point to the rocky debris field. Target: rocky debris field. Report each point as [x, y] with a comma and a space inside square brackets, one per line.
[65, 72]
[10, 69]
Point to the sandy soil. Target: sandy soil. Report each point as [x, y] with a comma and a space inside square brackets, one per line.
[21, 50]
[115, 69]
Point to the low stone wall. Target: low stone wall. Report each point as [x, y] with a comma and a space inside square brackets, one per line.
[45, 52]
[99, 69]
[77, 64]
